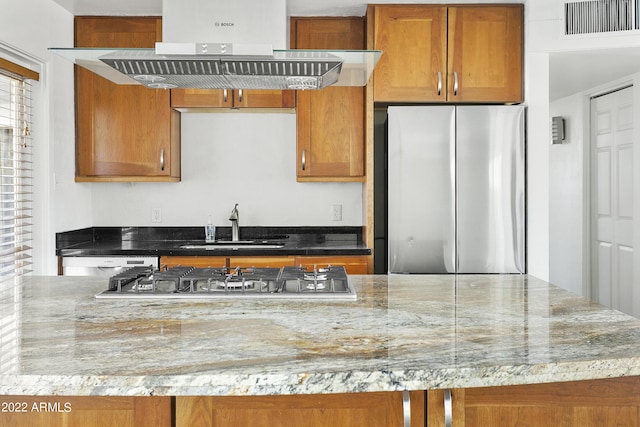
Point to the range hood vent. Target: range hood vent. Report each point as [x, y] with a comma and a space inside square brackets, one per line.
[242, 57]
[292, 70]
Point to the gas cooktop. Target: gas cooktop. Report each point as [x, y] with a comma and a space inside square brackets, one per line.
[331, 282]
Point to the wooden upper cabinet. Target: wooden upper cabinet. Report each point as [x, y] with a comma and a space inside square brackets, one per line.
[485, 53]
[239, 98]
[123, 132]
[435, 53]
[413, 65]
[330, 122]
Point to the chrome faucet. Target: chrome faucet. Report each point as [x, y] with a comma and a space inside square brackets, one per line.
[235, 224]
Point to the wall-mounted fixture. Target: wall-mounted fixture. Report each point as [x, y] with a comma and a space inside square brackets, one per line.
[557, 130]
[221, 44]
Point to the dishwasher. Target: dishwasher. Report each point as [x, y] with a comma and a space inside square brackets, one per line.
[104, 265]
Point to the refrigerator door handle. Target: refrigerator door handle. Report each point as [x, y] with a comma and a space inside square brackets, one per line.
[453, 179]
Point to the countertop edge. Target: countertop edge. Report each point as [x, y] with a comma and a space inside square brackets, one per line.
[312, 383]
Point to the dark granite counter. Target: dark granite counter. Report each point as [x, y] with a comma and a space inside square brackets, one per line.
[163, 241]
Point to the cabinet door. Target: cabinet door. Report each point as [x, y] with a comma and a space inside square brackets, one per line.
[201, 98]
[123, 132]
[352, 264]
[94, 411]
[353, 409]
[263, 98]
[330, 122]
[218, 98]
[262, 261]
[596, 403]
[194, 261]
[485, 53]
[413, 40]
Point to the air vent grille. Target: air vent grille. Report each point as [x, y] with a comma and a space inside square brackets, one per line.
[599, 16]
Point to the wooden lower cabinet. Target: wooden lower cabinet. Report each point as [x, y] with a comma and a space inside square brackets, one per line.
[262, 261]
[354, 264]
[193, 261]
[336, 410]
[65, 411]
[597, 403]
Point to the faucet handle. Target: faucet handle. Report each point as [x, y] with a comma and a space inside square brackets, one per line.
[234, 213]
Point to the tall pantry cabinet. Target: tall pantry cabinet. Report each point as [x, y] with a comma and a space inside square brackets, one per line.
[123, 132]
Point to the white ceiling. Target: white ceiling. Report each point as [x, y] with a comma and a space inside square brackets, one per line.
[154, 7]
[573, 72]
[569, 72]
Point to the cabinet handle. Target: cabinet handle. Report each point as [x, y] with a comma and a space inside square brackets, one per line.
[439, 82]
[162, 159]
[225, 95]
[406, 408]
[448, 409]
[240, 95]
[304, 159]
[455, 83]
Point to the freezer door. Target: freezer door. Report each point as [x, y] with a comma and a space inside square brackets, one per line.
[421, 172]
[490, 189]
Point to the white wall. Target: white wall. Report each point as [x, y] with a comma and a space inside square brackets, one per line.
[27, 29]
[228, 158]
[544, 36]
[567, 198]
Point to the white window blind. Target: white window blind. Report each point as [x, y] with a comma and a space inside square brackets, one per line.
[15, 175]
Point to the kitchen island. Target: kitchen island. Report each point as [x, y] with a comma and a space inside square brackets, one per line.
[403, 333]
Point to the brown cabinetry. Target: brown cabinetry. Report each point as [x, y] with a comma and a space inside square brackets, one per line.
[262, 261]
[66, 411]
[239, 98]
[123, 132]
[597, 403]
[194, 261]
[353, 410]
[330, 122]
[354, 264]
[436, 53]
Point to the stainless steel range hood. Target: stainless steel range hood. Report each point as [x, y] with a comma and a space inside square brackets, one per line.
[246, 49]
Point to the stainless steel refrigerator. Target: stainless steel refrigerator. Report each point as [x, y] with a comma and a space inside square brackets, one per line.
[456, 189]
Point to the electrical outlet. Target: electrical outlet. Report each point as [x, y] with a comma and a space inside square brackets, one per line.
[336, 212]
[156, 215]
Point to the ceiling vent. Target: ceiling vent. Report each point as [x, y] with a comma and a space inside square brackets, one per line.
[600, 16]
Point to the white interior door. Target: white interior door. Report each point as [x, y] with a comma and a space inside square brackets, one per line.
[612, 147]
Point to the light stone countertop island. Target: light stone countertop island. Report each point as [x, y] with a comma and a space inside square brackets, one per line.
[404, 332]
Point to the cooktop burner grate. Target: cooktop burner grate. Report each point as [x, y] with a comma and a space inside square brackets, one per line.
[189, 282]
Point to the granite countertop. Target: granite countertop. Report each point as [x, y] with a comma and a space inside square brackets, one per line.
[165, 241]
[403, 333]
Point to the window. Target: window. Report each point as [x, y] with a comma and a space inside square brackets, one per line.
[15, 170]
